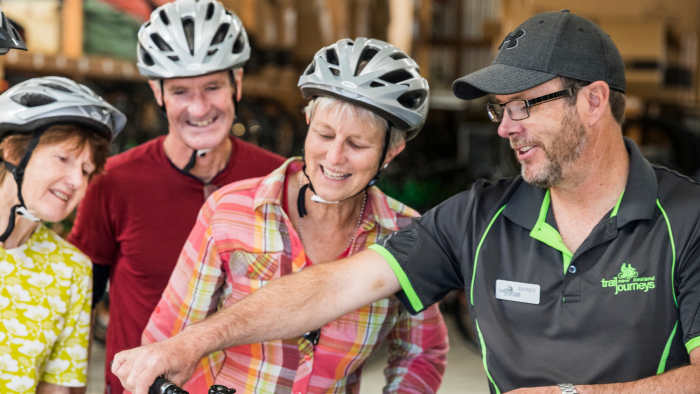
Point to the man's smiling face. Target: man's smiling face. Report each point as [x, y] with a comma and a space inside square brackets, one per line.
[549, 142]
[200, 109]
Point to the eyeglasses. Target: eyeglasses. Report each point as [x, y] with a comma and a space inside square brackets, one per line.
[519, 109]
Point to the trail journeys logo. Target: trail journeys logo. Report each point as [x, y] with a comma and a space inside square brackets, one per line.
[509, 292]
[628, 280]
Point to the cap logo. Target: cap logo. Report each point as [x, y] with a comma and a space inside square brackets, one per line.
[512, 39]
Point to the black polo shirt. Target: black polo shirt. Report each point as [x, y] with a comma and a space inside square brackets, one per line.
[623, 307]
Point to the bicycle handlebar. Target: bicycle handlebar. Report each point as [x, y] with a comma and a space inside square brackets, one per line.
[164, 386]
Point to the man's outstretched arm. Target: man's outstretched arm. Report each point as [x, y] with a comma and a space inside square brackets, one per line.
[285, 308]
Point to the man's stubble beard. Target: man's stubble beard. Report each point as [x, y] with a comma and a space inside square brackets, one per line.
[561, 154]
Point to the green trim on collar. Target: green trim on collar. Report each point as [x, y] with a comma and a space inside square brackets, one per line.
[617, 206]
[416, 303]
[548, 235]
[692, 344]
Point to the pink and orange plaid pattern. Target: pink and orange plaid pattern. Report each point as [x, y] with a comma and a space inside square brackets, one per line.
[242, 240]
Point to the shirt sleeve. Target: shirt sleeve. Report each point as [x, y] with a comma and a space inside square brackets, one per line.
[93, 231]
[67, 363]
[426, 255]
[688, 286]
[418, 348]
[193, 290]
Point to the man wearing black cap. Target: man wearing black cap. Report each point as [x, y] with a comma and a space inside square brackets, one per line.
[583, 273]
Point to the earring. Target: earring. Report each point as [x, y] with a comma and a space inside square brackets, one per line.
[385, 166]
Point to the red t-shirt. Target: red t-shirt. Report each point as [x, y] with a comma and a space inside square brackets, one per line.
[136, 218]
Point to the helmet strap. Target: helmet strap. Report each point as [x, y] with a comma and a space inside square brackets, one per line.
[162, 100]
[17, 172]
[301, 199]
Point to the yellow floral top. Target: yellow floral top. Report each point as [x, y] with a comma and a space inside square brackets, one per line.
[45, 295]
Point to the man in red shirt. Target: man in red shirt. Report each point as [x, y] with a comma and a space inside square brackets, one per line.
[136, 218]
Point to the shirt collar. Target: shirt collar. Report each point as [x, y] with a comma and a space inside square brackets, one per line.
[638, 201]
[377, 209]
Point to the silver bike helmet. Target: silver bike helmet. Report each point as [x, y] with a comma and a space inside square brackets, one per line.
[9, 38]
[33, 106]
[372, 74]
[189, 38]
[38, 102]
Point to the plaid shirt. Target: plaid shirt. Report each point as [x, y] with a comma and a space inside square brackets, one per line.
[241, 241]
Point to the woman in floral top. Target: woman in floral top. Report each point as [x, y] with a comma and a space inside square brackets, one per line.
[50, 148]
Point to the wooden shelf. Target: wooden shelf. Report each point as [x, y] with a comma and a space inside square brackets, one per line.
[84, 67]
[270, 83]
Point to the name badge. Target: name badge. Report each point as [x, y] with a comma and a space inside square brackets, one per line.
[518, 292]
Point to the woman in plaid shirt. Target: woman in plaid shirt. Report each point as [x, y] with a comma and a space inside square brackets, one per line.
[367, 99]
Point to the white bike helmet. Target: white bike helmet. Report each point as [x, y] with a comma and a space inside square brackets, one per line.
[9, 38]
[372, 74]
[38, 102]
[33, 106]
[189, 38]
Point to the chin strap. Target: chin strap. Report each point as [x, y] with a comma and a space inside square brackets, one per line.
[201, 152]
[17, 172]
[301, 199]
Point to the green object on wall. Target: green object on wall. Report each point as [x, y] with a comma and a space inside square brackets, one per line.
[109, 31]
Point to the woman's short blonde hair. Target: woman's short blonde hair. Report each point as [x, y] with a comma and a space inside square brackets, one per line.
[346, 110]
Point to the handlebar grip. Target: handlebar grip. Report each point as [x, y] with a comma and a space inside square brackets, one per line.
[164, 386]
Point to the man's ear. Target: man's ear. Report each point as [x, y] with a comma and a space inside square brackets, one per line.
[157, 93]
[596, 97]
[238, 77]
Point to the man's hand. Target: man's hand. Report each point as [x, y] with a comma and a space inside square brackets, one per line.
[138, 368]
[537, 390]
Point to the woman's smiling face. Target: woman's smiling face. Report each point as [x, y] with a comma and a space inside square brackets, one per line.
[342, 152]
[56, 179]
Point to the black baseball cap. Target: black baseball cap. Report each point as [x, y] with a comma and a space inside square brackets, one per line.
[544, 47]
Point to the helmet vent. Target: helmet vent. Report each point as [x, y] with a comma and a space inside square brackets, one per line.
[174, 58]
[332, 57]
[376, 84]
[220, 34]
[228, 12]
[33, 99]
[396, 76]
[210, 11]
[188, 27]
[57, 87]
[146, 57]
[367, 55]
[239, 45]
[160, 43]
[335, 71]
[212, 52]
[399, 56]
[164, 17]
[413, 100]
[310, 70]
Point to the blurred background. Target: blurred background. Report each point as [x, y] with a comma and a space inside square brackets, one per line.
[94, 42]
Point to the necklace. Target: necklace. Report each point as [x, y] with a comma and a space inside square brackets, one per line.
[359, 220]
